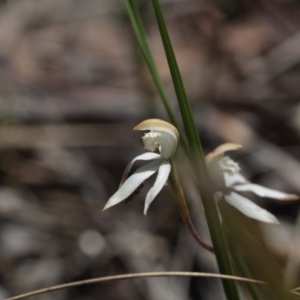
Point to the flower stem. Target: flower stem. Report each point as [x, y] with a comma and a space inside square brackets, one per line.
[197, 158]
[182, 206]
[140, 33]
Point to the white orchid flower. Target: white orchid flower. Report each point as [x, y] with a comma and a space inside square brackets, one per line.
[162, 136]
[226, 175]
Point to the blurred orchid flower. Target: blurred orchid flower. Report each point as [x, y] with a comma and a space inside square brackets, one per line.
[162, 136]
[226, 175]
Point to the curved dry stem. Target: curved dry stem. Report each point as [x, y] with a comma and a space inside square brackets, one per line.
[183, 208]
[134, 276]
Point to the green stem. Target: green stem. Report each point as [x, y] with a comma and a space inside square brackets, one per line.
[182, 206]
[197, 158]
[140, 33]
[253, 289]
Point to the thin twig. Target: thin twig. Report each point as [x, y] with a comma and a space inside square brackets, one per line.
[183, 208]
[133, 276]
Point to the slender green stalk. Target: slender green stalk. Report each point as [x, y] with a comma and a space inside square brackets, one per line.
[255, 293]
[198, 160]
[140, 33]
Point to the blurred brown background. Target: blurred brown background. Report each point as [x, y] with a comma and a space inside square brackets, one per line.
[72, 86]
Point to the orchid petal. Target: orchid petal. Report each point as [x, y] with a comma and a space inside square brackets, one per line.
[250, 209]
[219, 151]
[231, 179]
[265, 192]
[132, 183]
[162, 177]
[144, 156]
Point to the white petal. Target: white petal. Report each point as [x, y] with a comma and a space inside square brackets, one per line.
[265, 192]
[144, 156]
[231, 179]
[249, 208]
[132, 183]
[219, 151]
[162, 177]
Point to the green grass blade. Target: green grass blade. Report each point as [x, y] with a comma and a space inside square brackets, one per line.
[140, 33]
[209, 203]
[253, 289]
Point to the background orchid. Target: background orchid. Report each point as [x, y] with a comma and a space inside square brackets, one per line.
[162, 136]
[228, 181]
